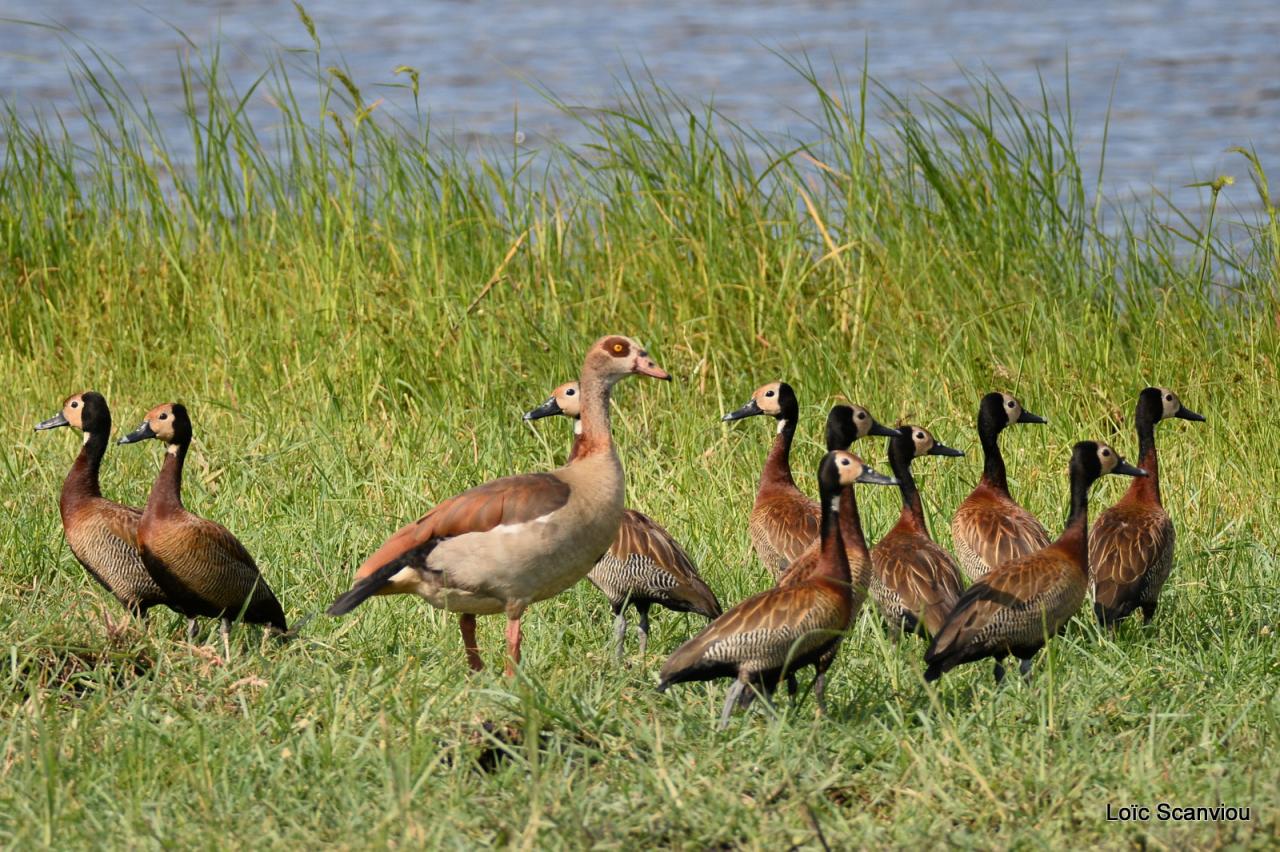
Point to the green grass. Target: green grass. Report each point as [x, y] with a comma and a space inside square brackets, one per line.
[356, 315]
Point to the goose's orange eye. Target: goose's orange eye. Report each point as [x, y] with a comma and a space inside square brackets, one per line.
[617, 347]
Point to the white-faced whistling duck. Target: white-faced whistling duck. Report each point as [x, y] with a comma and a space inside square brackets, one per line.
[199, 564]
[644, 565]
[504, 545]
[103, 535]
[845, 424]
[989, 527]
[782, 630]
[914, 581]
[1131, 544]
[1020, 603]
[783, 520]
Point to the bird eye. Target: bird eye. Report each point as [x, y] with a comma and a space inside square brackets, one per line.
[844, 462]
[919, 436]
[570, 392]
[1106, 454]
[617, 347]
[1168, 397]
[75, 405]
[1012, 403]
[768, 393]
[164, 417]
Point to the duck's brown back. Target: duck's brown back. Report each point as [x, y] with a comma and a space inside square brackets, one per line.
[1130, 555]
[645, 564]
[203, 567]
[913, 578]
[776, 628]
[989, 529]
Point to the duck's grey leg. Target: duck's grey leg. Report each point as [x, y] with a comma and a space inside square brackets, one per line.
[619, 632]
[729, 700]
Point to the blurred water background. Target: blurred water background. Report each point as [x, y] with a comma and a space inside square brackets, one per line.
[1183, 80]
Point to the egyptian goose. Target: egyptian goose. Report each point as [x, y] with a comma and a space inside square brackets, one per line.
[644, 565]
[103, 535]
[989, 527]
[1020, 603]
[914, 581]
[1131, 544]
[781, 631]
[504, 545]
[783, 520]
[198, 563]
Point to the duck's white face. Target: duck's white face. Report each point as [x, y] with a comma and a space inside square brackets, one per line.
[1108, 458]
[160, 423]
[922, 440]
[853, 469]
[73, 410]
[569, 398]
[862, 420]
[850, 466]
[1169, 403]
[72, 414]
[1012, 408]
[768, 398]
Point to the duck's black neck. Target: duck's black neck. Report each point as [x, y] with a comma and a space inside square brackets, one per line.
[835, 562]
[851, 522]
[1075, 535]
[89, 462]
[1078, 511]
[993, 472]
[1148, 485]
[777, 467]
[82, 480]
[166, 493]
[901, 453]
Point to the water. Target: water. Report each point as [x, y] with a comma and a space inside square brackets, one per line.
[1190, 78]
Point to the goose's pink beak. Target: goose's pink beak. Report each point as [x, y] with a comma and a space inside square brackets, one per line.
[646, 366]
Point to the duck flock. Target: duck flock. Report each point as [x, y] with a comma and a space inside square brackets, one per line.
[504, 545]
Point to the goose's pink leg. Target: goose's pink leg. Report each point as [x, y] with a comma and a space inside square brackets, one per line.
[513, 645]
